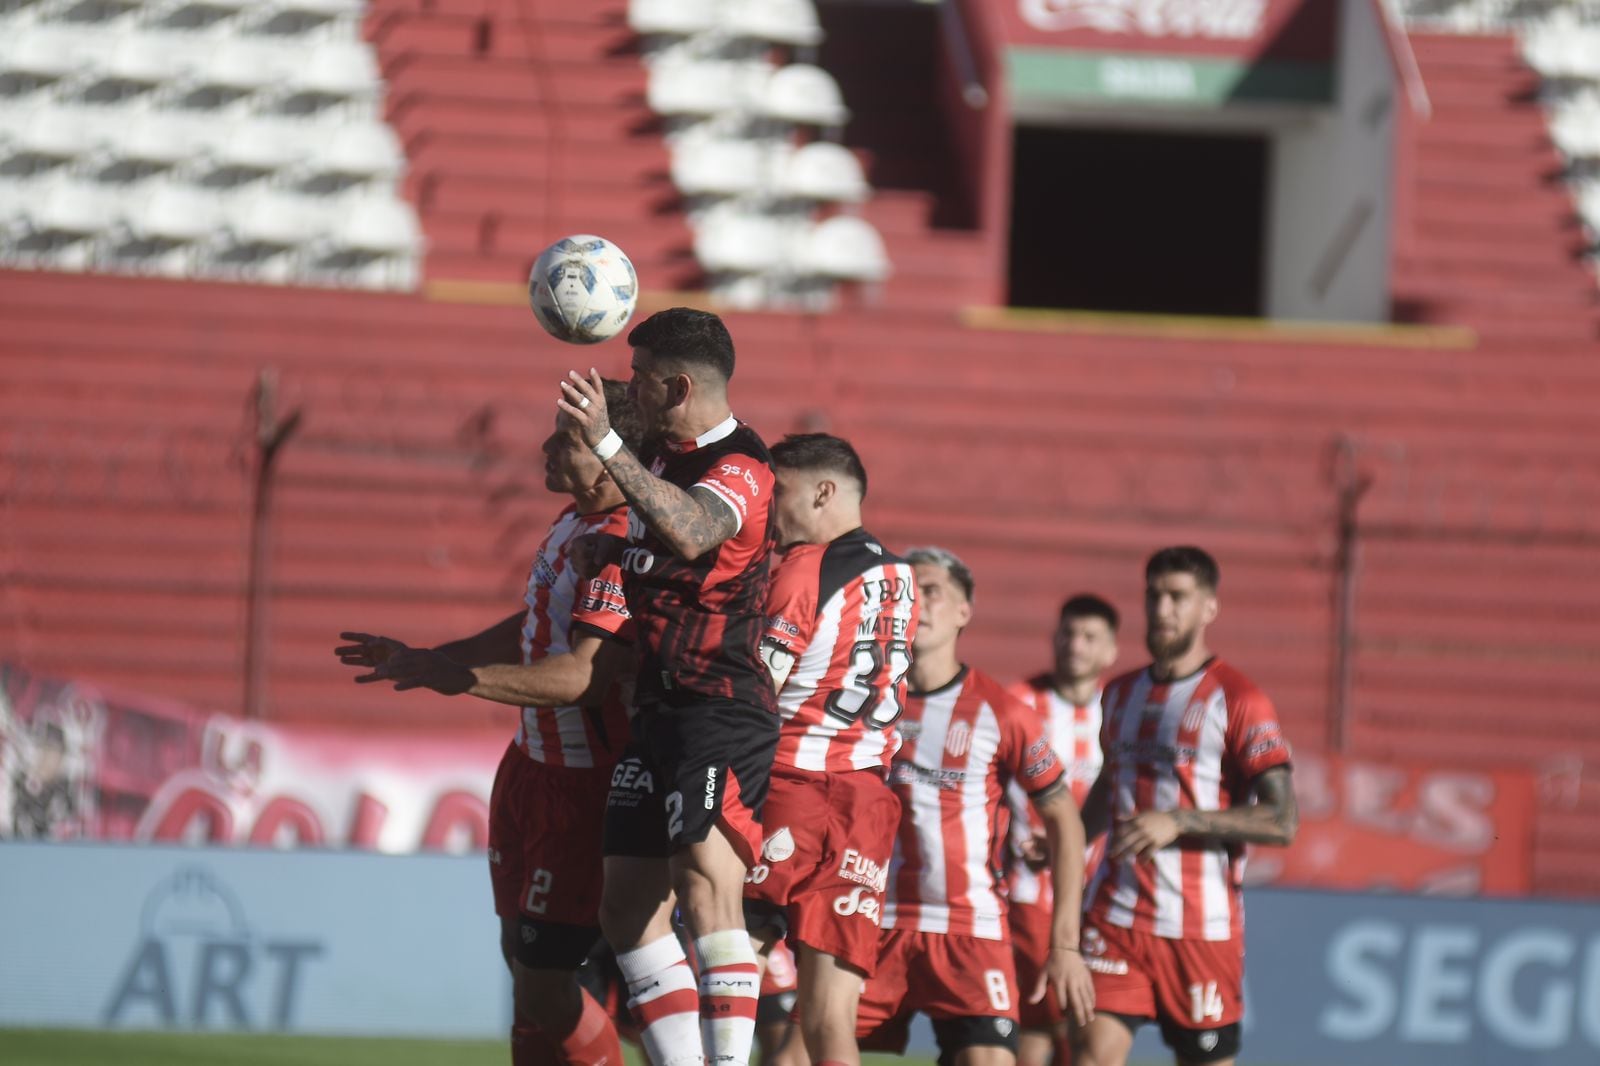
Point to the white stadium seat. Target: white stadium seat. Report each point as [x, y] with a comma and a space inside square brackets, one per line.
[254, 147]
[39, 55]
[671, 18]
[845, 248]
[332, 73]
[803, 94]
[364, 151]
[235, 67]
[377, 226]
[825, 172]
[791, 22]
[41, 137]
[136, 63]
[688, 87]
[704, 167]
[739, 242]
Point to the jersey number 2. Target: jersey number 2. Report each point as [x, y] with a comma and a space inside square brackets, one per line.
[865, 689]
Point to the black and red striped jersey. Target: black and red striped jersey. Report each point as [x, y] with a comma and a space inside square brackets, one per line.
[699, 622]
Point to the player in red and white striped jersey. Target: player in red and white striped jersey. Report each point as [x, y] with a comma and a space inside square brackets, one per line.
[1196, 767]
[1067, 700]
[841, 615]
[946, 951]
[548, 806]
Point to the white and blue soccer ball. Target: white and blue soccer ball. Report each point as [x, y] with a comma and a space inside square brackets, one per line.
[583, 289]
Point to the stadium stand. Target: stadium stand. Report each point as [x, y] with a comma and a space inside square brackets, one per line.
[1053, 451]
[247, 127]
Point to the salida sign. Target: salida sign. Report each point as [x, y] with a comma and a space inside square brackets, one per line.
[199, 963]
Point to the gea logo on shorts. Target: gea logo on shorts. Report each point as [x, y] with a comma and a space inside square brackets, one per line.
[198, 963]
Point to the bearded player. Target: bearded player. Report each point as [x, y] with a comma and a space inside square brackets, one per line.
[1196, 767]
[682, 823]
[1066, 699]
[547, 808]
[840, 620]
[946, 951]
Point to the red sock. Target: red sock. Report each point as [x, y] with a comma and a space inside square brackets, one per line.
[530, 1047]
[593, 1041]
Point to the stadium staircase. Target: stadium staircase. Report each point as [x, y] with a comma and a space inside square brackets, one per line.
[1054, 453]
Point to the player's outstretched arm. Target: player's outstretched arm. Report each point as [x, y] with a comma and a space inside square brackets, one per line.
[1065, 974]
[578, 676]
[500, 643]
[1271, 820]
[691, 522]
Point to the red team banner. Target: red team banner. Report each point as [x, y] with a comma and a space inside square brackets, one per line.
[1405, 827]
[78, 762]
[81, 762]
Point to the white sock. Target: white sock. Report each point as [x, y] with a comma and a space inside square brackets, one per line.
[730, 984]
[662, 996]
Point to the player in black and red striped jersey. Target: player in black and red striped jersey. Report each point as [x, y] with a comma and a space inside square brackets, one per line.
[841, 617]
[683, 814]
[554, 661]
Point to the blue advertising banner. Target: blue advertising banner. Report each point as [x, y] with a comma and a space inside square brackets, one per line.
[148, 937]
[155, 937]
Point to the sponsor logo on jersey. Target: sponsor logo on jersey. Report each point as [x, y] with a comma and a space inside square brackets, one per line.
[779, 846]
[544, 575]
[907, 773]
[863, 870]
[860, 901]
[1153, 751]
[958, 740]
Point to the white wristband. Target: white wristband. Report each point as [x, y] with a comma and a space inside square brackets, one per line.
[609, 445]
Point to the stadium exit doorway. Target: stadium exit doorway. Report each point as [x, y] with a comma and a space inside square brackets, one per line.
[1140, 221]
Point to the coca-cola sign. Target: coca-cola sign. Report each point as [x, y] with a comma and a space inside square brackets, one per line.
[1218, 19]
[1286, 31]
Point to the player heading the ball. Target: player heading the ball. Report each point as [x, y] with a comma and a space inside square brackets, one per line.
[683, 814]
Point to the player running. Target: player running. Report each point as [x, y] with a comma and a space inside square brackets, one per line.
[1189, 743]
[547, 808]
[946, 950]
[1066, 700]
[683, 812]
[840, 619]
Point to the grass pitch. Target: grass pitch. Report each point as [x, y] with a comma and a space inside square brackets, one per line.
[61, 1047]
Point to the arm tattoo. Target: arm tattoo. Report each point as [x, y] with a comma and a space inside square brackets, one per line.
[691, 523]
[1271, 819]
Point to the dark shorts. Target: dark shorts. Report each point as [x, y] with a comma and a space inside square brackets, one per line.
[691, 765]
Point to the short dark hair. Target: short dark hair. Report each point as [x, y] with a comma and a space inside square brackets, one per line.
[820, 451]
[686, 336]
[959, 571]
[624, 415]
[1088, 605]
[1185, 559]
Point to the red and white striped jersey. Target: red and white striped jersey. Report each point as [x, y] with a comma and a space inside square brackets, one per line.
[1074, 733]
[558, 603]
[963, 744]
[1195, 743]
[846, 612]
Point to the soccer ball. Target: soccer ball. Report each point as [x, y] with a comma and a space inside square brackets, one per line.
[583, 289]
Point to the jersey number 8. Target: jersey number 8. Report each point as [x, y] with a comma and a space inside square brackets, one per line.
[872, 687]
